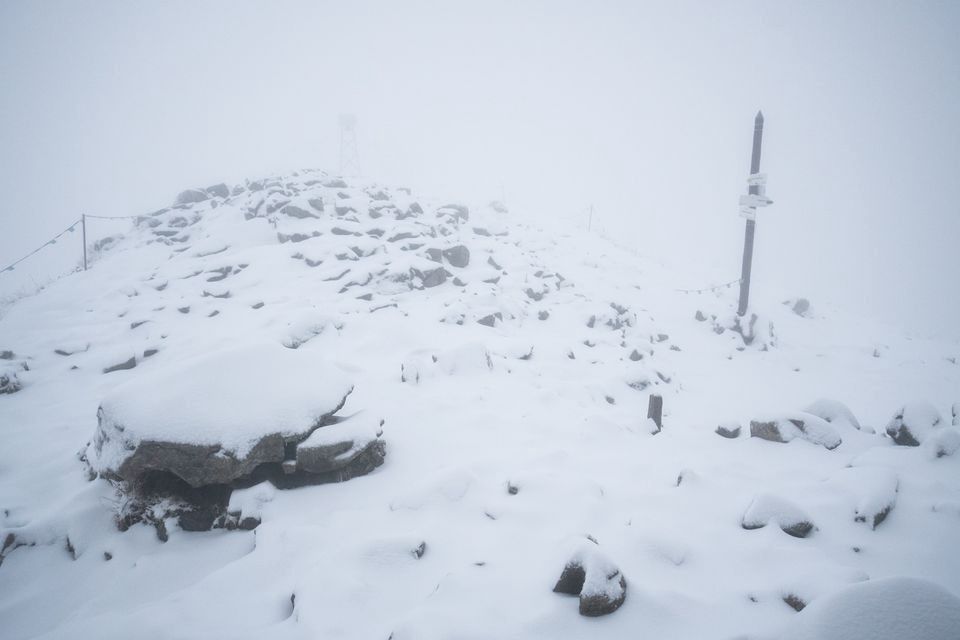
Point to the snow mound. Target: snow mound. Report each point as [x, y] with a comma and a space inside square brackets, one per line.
[834, 412]
[884, 609]
[872, 490]
[913, 423]
[786, 515]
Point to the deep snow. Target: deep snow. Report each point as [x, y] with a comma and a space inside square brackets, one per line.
[507, 445]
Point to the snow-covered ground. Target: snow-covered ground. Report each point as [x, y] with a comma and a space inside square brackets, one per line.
[512, 366]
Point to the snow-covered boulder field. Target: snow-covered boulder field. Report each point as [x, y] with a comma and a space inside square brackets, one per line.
[307, 406]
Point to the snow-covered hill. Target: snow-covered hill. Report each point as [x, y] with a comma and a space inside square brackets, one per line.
[512, 367]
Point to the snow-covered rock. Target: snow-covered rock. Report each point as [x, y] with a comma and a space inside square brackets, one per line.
[801, 425]
[884, 609]
[834, 412]
[216, 418]
[942, 443]
[765, 509]
[872, 492]
[912, 424]
[729, 430]
[598, 582]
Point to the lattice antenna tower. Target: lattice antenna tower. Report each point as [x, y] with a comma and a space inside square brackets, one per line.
[349, 155]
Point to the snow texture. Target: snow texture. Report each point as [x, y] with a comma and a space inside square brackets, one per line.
[882, 609]
[515, 392]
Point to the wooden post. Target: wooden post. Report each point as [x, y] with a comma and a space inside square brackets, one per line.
[751, 224]
[655, 410]
[84, 223]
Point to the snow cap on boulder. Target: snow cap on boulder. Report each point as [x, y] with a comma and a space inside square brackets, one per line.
[213, 419]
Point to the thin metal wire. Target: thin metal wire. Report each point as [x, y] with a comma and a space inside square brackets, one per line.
[52, 240]
[713, 288]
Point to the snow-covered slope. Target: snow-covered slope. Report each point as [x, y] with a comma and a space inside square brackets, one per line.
[513, 366]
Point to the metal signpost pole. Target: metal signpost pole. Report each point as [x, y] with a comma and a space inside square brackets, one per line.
[751, 221]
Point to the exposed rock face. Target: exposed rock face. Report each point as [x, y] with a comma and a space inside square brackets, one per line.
[913, 423]
[797, 425]
[600, 585]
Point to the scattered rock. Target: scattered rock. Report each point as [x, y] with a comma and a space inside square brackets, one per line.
[458, 256]
[794, 601]
[797, 425]
[128, 364]
[218, 191]
[294, 211]
[431, 277]
[728, 430]
[800, 306]
[600, 585]
[191, 196]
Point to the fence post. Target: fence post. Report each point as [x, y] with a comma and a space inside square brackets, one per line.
[655, 410]
[84, 224]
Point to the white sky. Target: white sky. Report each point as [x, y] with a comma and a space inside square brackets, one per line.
[644, 110]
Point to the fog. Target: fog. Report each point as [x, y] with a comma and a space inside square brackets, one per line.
[642, 110]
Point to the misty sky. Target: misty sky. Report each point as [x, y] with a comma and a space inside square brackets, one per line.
[644, 110]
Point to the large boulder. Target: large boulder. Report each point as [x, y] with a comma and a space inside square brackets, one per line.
[913, 423]
[196, 430]
[191, 196]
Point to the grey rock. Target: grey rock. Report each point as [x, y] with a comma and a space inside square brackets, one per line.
[218, 190]
[191, 196]
[128, 364]
[728, 430]
[431, 277]
[601, 601]
[458, 256]
[294, 211]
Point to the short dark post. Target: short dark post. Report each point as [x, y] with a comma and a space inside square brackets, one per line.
[84, 224]
[655, 410]
[751, 224]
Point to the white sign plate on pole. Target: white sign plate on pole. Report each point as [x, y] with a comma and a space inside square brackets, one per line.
[754, 200]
